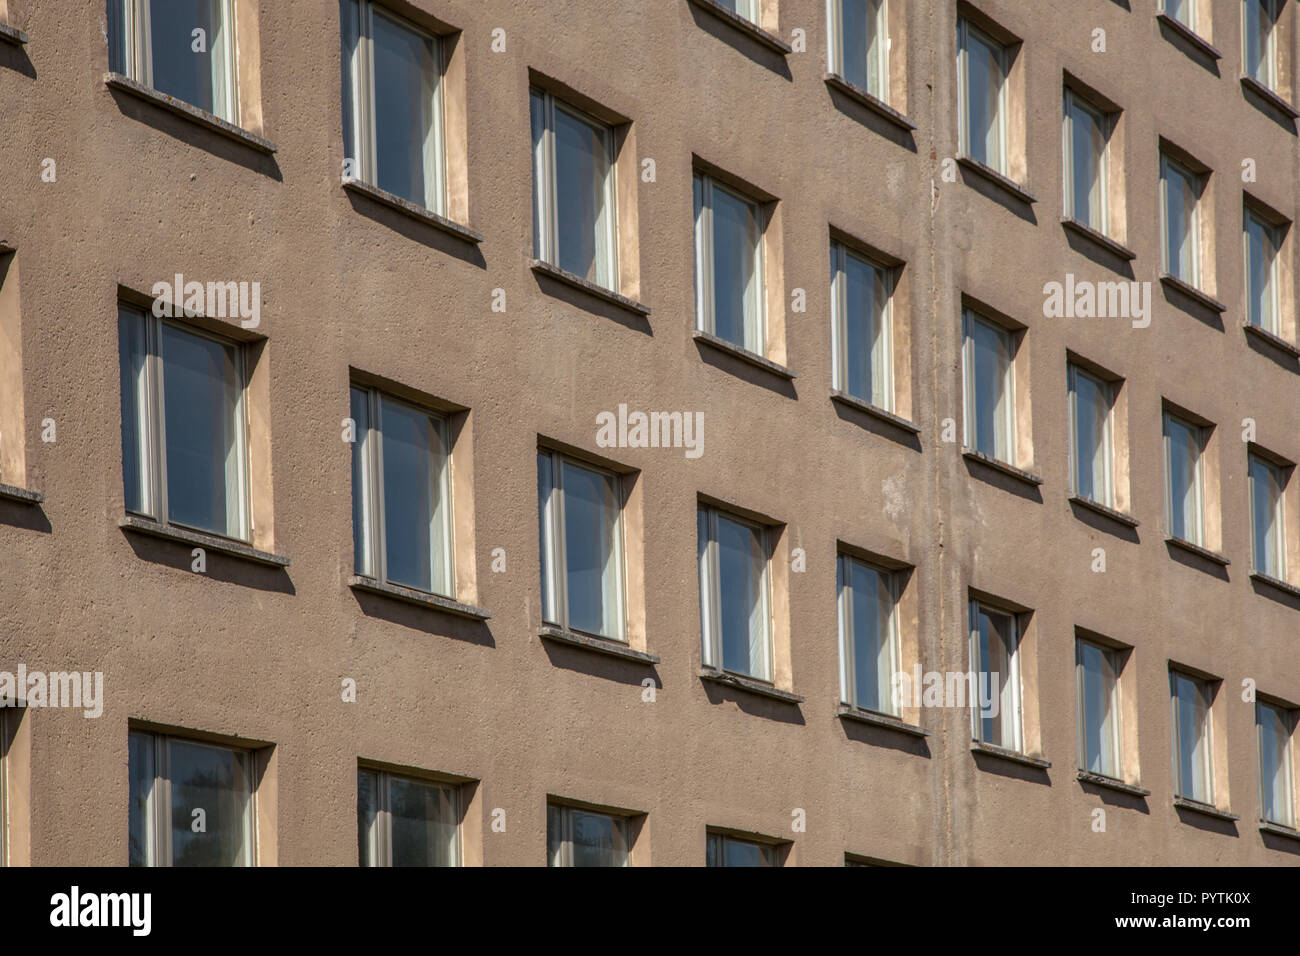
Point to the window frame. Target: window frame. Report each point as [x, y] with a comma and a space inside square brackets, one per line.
[545, 205]
[1287, 718]
[152, 425]
[381, 834]
[554, 558]
[703, 186]
[1198, 489]
[1114, 710]
[877, 85]
[1194, 229]
[970, 391]
[1268, 52]
[840, 254]
[1203, 689]
[374, 509]
[977, 607]
[965, 29]
[710, 597]
[1278, 517]
[1189, 6]
[1271, 321]
[1107, 451]
[561, 855]
[844, 603]
[745, 9]
[1105, 125]
[360, 67]
[767, 852]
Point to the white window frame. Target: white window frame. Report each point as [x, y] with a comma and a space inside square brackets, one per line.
[555, 565]
[361, 71]
[158, 805]
[563, 855]
[964, 31]
[1107, 450]
[977, 668]
[1278, 517]
[1199, 487]
[1287, 770]
[710, 599]
[705, 320]
[848, 686]
[969, 392]
[878, 85]
[375, 562]
[1114, 714]
[1275, 233]
[152, 426]
[1103, 120]
[1207, 734]
[1268, 43]
[380, 834]
[1194, 230]
[840, 254]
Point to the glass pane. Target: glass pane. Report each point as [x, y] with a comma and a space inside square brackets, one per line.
[706, 581]
[1181, 191]
[1087, 173]
[1184, 480]
[140, 761]
[1191, 712]
[984, 76]
[1091, 438]
[541, 174]
[1182, 11]
[361, 482]
[424, 819]
[597, 839]
[201, 411]
[350, 35]
[554, 836]
[873, 663]
[863, 44]
[368, 817]
[415, 533]
[546, 537]
[119, 20]
[405, 87]
[214, 780]
[1261, 258]
[1097, 696]
[1266, 517]
[988, 371]
[591, 551]
[195, 76]
[735, 271]
[581, 198]
[133, 351]
[1275, 765]
[866, 347]
[741, 565]
[996, 637]
[742, 853]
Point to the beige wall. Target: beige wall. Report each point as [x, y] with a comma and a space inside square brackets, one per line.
[244, 652]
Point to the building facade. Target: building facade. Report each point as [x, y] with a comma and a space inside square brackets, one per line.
[505, 433]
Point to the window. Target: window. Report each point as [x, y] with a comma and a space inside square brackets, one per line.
[154, 43]
[183, 425]
[1259, 40]
[177, 784]
[392, 104]
[401, 499]
[1263, 240]
[1193, 774]
[581, 543]
[1087, 130]
[1097, 676]
[745, 8]
[1276, 783]
[989, 388]
[861, 318]
[406, 821]
[734, 615]
[859, 49]
[1184, 516]
[1267, 537]
[1180, 193]
[1184, 11]
[868, 636]
[1091, 400]
[573, 191]
[728, 265]
[577, 837]
[994, 643]
[981, 82]
[725, 850]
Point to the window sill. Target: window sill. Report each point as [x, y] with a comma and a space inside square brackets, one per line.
[9, 34]
[1028, 477]
[744, 354]
[22, 495]
[762, 688]
[1098, 238]
[849, 712]
[979, 747]
[211, 542]
[870, 101]
[1269, 96]
[1190, 35]
[747, 27]
[422, 598]
[1105, 511]
[601, 645]
[1197, 550]
[1193, 293]
[875, 411]
[585, 285]
[1101, 780]
[1273, 339]
[1277, 583]
[1005, 183]
[1278, 830]
[414, 210]
[1183, 803]
[119, 81]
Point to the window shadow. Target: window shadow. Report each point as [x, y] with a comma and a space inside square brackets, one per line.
[220, 567]
[753, 704]
[429, 620]
[595, 664]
